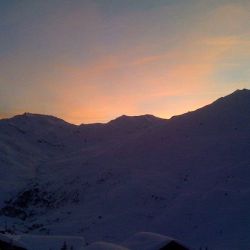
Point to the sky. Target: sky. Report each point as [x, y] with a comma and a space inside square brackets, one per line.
[90, 61]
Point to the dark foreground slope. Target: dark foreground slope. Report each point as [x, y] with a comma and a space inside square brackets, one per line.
[188, 177]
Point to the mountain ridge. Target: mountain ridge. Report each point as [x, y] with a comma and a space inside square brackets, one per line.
[178, 178]
[239, 93]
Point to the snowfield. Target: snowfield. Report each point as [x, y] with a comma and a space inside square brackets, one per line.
[187, 177]
[140, 241]
[105, 246]
[149, 241]
[51, 242]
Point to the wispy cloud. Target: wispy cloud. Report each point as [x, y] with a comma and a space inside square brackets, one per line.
[86, 66]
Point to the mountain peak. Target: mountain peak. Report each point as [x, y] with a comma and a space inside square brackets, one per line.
[240, 97]
[32, 119]
[241, 91]
[140, 119]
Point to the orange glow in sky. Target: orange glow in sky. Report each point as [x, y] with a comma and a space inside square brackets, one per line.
[91, 61]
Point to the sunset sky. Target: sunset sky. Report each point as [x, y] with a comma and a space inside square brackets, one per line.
[91, 61]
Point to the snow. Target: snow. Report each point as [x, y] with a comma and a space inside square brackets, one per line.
[139, 241]
[36, 242]
[147, 241]
[11, 240]
[105, 246]
[187, 177]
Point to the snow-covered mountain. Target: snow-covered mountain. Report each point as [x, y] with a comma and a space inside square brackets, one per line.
[187, 177]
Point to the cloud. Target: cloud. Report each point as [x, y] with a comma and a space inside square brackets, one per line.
[148, 60]
[229, 18]
[87, 66]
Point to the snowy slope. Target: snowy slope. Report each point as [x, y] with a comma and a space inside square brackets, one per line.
[51, 242]
[187, 177]
[147, 241]
[105, 246]
[26, 141]
[39, 242]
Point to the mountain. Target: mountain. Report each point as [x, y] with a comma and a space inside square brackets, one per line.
[187, 177]
[136, 121]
